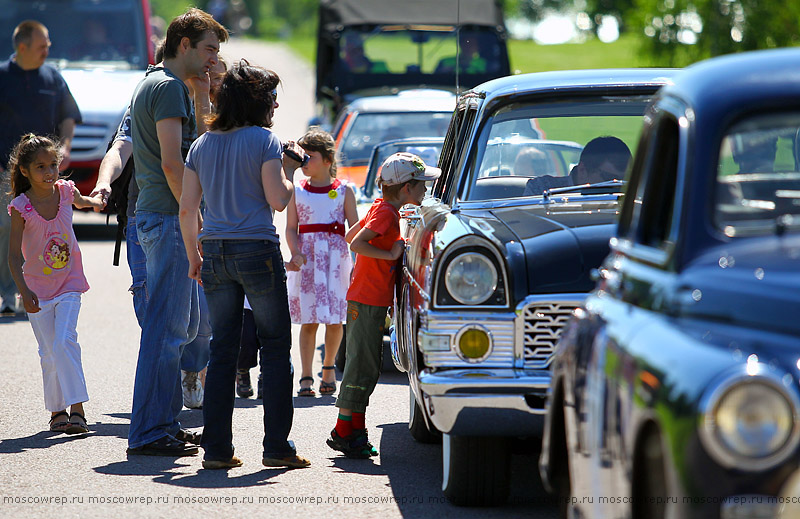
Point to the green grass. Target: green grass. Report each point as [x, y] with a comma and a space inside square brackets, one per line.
[528, 56]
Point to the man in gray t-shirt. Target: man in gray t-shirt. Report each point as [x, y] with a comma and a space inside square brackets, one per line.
[163, 127]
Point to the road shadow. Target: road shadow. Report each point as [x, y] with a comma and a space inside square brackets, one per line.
[162, 470]
[41, 440]
[10, 319]
[415, 476]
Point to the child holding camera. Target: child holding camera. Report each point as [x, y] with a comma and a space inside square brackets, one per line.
[319, 271]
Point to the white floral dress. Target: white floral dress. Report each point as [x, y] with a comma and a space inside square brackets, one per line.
[317, 293]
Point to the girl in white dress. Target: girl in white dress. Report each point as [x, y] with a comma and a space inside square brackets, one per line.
[319, 271]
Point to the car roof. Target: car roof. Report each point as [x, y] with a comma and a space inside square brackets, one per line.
[576, 80]
[751, 81]
[406, 101]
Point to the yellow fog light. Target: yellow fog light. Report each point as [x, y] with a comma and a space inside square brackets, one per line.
[474, 343]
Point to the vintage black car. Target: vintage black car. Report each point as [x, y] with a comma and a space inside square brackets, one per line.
[380, 47]
[494, 268]
[675, 388]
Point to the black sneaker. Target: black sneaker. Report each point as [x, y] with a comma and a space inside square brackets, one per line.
[7, 311]
[243, 386]
[361, 438]
[187, 436]
[352, 446]
[166, 446]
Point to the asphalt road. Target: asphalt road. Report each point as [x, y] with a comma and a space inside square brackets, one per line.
[44, 474]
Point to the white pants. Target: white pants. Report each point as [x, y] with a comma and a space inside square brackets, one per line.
[55, 329]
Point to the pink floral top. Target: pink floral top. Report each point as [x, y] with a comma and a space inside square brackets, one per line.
[52, 258]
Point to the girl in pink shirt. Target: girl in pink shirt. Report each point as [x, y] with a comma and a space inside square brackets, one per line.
[51, 280]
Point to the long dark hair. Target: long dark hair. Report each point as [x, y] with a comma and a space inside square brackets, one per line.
[23, 155]
[244, 98]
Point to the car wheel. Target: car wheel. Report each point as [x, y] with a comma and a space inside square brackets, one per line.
[416, 422]
[476, 470]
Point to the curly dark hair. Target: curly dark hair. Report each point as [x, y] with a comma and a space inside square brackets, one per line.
[245, 98]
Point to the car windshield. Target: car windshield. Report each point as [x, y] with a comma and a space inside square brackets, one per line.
[370, 129]
[526, 149]
[396, 49]
[84, 33]
[758, 176]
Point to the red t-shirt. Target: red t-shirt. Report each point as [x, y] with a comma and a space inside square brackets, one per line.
[373, 279]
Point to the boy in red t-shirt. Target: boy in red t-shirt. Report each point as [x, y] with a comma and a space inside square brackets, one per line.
[377, 244]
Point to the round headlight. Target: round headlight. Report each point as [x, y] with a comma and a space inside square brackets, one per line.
[753, 420]
[750, 420]
[470, 278]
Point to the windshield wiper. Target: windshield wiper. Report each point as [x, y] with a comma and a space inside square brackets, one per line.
[608, 186]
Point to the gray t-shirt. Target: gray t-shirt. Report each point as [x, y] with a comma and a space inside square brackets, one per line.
[228, 165]
[160, 95]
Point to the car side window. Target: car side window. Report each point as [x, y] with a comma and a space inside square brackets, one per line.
[655, 193]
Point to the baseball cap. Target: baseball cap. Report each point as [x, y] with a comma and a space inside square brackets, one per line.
[403, 166]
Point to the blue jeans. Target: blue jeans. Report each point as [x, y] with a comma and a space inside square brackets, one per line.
[231, 270]
[170, 323]
[195, 354]
[137, 262]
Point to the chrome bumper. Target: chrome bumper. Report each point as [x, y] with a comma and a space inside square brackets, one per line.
[486, 402]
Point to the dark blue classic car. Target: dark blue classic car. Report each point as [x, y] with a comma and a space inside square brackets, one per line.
[675, 388]
[499, 257]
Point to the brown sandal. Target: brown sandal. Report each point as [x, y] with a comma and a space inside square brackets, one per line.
[77, 424]
[306, 391]
[59, 425]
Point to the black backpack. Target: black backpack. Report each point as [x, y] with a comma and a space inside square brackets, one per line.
[118, 203]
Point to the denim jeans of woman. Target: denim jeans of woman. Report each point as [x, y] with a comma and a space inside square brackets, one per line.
[231, 270]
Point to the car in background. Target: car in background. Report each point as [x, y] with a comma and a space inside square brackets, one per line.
[369, 121]
[493, 270]
[102, 48]
[676, 386]
[381, 47]
[427, 148]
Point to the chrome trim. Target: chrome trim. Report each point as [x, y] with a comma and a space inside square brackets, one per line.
[748, 373]
[454, 249]
[464, 330]
[536, 342]
[413, 281]
[500, 325]
[472, 402]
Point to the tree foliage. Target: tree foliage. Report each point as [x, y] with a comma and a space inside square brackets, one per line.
[679, 32]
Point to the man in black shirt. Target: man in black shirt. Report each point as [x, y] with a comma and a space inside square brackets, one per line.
[34, 98]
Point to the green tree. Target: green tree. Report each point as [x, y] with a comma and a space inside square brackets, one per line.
[679, 32]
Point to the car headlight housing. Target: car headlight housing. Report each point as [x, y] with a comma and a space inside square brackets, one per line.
[471, 278]
[751, 423]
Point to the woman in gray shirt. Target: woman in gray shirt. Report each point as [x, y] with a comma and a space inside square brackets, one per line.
[236, 167]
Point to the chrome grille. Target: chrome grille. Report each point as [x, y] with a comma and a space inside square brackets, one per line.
[543, 323]
[90, 136]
